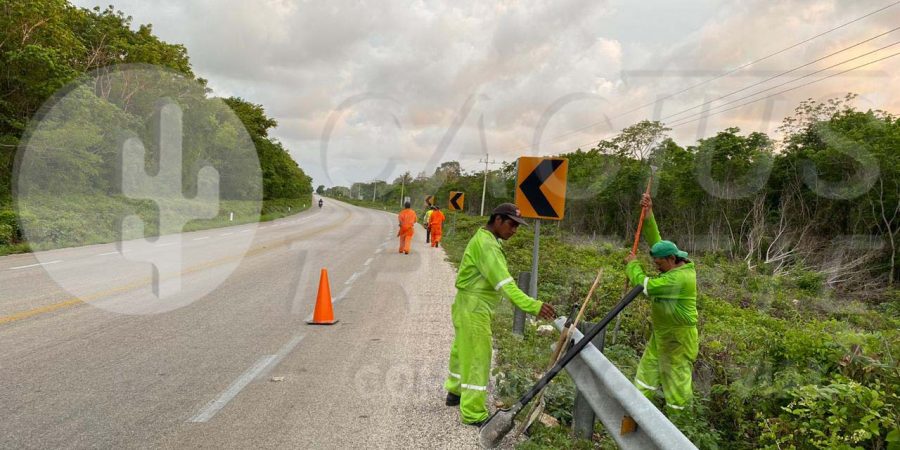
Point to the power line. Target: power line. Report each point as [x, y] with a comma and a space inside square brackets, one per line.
[790, 81]
[577, 130]
[786, 90]
[685, 122]
[759, 59]
[779, 75]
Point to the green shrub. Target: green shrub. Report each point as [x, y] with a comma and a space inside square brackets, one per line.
[843, 414]
[7, 234]
[9, 227]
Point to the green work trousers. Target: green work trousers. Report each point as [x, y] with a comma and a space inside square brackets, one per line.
[668, 361]
[470, 355]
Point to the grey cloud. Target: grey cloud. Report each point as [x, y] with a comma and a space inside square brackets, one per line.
[303, 59]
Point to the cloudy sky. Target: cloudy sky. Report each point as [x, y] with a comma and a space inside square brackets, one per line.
[363, 92]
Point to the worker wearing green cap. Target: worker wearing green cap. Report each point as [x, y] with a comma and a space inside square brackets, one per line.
[668, 359]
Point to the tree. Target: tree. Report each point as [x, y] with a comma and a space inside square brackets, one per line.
[636, 141]
[321, 189]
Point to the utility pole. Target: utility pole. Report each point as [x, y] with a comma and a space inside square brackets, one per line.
[374, 189]
[484, 185]
[402, 187]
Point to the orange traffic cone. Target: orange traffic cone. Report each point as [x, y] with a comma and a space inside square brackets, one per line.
[323, 314]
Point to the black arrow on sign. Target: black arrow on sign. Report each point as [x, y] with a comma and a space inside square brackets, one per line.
[454, 199]
[531, 187]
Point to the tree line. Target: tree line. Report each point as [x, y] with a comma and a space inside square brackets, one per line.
[49, 46]
[824, 196]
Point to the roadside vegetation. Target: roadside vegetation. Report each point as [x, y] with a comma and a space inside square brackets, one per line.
[45, 46]
[796, 243]
[785, 362]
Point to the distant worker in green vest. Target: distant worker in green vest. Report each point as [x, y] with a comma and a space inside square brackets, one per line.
[668, 359]
[426, 222]
[483, 278]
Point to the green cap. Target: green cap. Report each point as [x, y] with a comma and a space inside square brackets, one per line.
[663, 249]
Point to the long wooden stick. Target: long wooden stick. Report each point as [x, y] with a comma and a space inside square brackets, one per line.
[561, 345]
[640, 225]
[637, 239]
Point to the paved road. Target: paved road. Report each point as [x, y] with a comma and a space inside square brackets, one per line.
[75, 374]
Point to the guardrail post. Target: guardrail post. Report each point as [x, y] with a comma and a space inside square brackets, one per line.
[583, 416]
[613, 397]
[523, 282]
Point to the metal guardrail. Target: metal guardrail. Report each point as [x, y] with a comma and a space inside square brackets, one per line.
[612, 397]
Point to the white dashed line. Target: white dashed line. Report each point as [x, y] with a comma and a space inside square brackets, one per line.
[226, 234]
[352, 278]
[368, 261]
[246, 231]
[35, 265]
[201, 238]
[107, 253]
[262, 366]
[341, 295]
[214, 406]
[165, 245]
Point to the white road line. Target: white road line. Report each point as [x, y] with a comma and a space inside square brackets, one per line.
[165, 245]
[378, 251]
[352, 278]
[242, 381]
[284, 351]
[260, 368]
[107, 253]
[246, 231]
[35, 265]
[201, 238]
[226, 234]
[342, 294]
[368, 261]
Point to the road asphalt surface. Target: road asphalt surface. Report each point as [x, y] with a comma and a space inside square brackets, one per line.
[237, 367]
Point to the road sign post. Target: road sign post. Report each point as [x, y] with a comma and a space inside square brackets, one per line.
[519, 315]
[540, 194]
[535, 254]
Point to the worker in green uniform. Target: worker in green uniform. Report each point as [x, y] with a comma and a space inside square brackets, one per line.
[482, 280]
[426, 222]
[668, 359]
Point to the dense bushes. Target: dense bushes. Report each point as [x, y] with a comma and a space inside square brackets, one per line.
[775, 368]
[825, 198]
[46, 45]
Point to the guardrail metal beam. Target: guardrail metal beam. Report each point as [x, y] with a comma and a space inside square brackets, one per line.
[612, 397]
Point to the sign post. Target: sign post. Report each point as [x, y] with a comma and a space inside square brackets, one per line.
[540, 194]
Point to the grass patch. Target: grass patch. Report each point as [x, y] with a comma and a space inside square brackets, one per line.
[784, 362]
[78, 221]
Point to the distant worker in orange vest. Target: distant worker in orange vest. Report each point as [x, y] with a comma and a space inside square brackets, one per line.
[436, 225]
[407, 220]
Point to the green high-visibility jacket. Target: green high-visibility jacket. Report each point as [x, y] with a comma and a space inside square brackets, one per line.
[673, 294]
[483, 272]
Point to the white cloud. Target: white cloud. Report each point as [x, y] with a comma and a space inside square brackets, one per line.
[514, 60]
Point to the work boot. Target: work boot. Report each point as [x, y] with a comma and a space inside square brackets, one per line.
[452, 399]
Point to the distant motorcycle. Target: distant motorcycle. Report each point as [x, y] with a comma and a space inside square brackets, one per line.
[320, 203]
